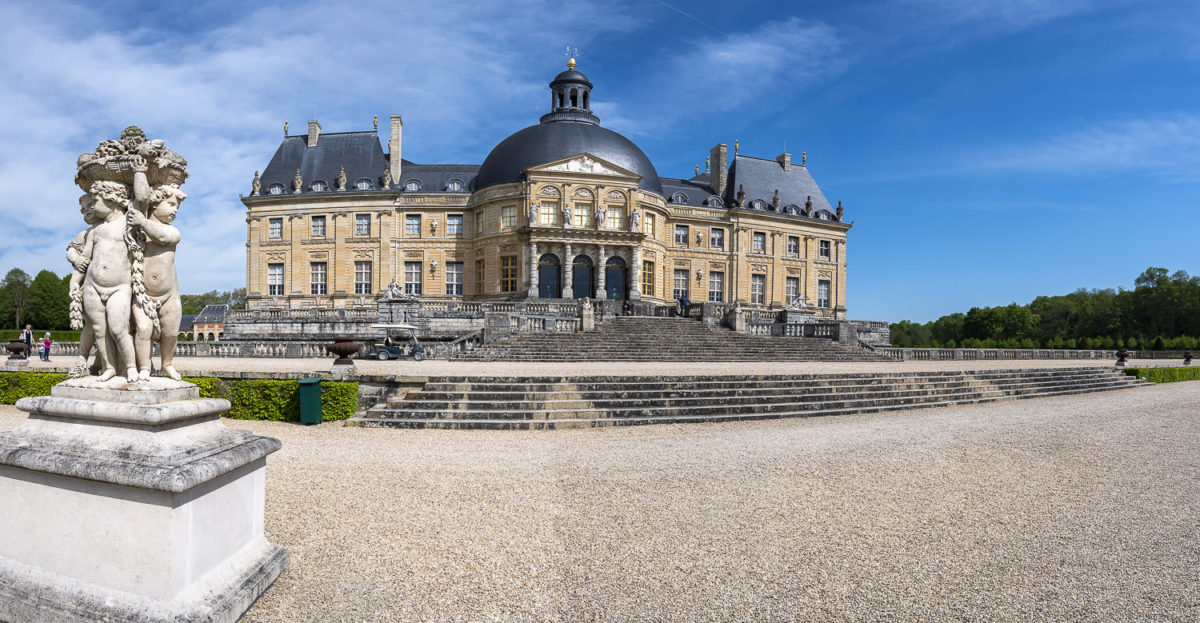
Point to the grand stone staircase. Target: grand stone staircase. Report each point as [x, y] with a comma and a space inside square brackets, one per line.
[645, 338]
[556, 402]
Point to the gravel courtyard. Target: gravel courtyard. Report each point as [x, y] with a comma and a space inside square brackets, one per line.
[1080, 508]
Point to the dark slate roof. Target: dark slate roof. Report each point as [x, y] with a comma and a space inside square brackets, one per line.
[211, 314]
[761, 178]
[435, 178]
[693, 192]
[359, 152]
[555, 140]
[186, 322]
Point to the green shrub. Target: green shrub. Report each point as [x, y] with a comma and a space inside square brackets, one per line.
[1165, 375]
[1083, 343]
[1159, 344]
[15, 385]
[209, 387]
[339, 400]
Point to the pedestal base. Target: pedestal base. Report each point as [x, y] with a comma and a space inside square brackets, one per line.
[132, 502]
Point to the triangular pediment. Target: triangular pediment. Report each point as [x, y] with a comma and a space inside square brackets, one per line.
[586, 164]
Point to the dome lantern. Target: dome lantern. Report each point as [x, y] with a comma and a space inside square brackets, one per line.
[570, 97]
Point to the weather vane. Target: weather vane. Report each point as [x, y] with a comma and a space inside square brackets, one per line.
[572, 54]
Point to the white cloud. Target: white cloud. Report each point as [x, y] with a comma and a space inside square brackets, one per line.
[463, 73]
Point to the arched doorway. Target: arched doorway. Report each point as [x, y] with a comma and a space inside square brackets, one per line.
[614, 278]
[549, 277]
[583, 277]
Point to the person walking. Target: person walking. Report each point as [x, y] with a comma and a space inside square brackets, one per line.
[27, 337]
[46, 346]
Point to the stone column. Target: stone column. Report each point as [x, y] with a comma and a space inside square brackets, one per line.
[568, 272]
[533, 270]
[635, 275]
[299, 265]
[601, 293]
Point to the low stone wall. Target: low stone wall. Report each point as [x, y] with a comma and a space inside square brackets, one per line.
[985, 354]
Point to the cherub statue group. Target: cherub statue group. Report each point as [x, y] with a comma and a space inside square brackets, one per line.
[124, 290]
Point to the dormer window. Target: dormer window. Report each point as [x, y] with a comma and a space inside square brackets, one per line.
[275, 189]
[679, 198]
[713, 201]
[412, 186]
[758, 204]
[455, 186]
[362, 183]
[319, 186]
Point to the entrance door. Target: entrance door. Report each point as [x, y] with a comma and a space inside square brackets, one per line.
[583, 277]
[614, 278]
[549, 277]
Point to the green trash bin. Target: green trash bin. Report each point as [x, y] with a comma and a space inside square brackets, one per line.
[310, 400]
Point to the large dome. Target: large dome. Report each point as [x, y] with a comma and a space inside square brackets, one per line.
[569, 129]
[555, 140]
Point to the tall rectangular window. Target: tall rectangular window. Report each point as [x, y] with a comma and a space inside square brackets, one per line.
[759, 243]
[583, 215]
[647, 278]
[758, 289]
[616, 217]
[548, 213]
[412, 277]
[793, 289]
[480, 269]
[478, 222]
[716, 286]
[508, 217]
[454, 278]
[412, 225]
[824, 246]
[651, 225]
[275, 279]
[275, 228]
[793, 245]
[681, 235]
[823, 293]
[508, 273]
[716, 238]
[362, 277]
[362, 224]
[318, 227]
[681, 284]
[316, 278]
[454, 225]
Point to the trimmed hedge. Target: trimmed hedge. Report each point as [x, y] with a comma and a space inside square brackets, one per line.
[16, 385]
[1165, 375]
[251, 399]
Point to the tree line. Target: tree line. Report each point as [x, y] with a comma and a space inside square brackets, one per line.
[1161, 312]
[44, 300]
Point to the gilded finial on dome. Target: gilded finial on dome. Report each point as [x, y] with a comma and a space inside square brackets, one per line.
[376, 121]
[707, 163]
[285, 129]
[735, 146]
[697, 169]
[803, 158]
[572, 52]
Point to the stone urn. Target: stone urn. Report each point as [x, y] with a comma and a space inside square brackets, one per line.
[1122, 355]
[16, 349]
[343, 347]
[1187, 357]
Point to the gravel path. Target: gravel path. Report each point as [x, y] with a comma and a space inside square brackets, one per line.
[1077, 508]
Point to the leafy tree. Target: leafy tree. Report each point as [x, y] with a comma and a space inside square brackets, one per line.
[49, 302]
[14, 297]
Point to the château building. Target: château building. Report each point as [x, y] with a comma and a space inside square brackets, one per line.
[562, 209]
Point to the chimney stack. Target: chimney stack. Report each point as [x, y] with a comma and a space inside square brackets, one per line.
[394, 149]
[720, 169]
[314, 130]
[785, 160]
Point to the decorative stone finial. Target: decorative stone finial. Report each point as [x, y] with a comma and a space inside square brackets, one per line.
[256, 184]
[297, 182]
[741, 194]
[803, 158]
[775, 201]
[341, 178]
[375, 120]
[285, 127]
[840, 210]
[387, 179]
[808, 206]
[706, 163]
[735, 146]
[697, 169]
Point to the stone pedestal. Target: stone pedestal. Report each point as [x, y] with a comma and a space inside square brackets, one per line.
[132, 502]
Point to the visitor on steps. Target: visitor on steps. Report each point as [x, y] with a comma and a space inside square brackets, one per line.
[27, 337]
[46, 347]
[683, 304]
[625, 307]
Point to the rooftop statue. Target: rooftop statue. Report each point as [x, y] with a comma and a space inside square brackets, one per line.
[124, 291]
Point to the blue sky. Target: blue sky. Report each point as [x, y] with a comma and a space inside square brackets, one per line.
[987, 151]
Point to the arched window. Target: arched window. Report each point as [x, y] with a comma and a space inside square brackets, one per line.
[455, 186]
[275, 189]
[574, 98]
[758, 204]
[825, 215]
[585, 99]
[362, 183]
[318, 186]
[793, 209]
[412, 186]
[679, 198]
[714, 201]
